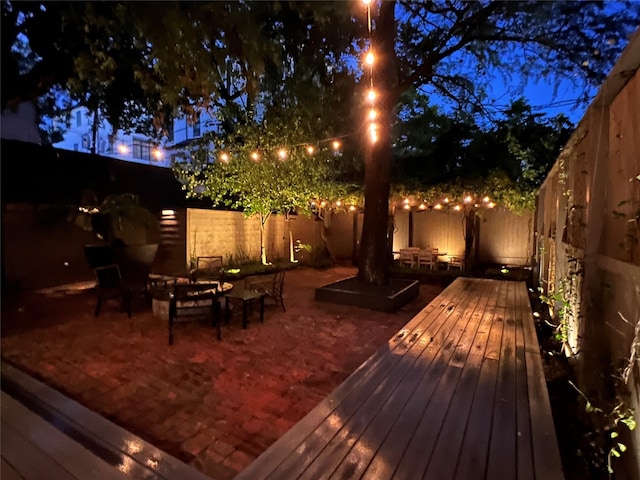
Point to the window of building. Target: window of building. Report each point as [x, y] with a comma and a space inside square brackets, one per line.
[75, 147]
[78, 119]
[196, 128]
[141, 149]
[170, 131]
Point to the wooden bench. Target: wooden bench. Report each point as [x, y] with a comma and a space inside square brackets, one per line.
[458, 393]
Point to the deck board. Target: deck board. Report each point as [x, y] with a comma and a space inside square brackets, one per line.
[459, 392]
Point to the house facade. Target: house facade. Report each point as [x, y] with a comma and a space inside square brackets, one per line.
[132, 147]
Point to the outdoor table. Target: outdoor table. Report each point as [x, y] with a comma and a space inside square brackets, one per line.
[247, 297]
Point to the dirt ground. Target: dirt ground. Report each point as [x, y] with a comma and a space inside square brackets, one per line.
[215, 405]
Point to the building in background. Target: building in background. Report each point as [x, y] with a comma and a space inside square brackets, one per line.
[132, 147]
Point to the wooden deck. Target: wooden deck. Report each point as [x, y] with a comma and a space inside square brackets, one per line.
[458, 393]
[46, 435]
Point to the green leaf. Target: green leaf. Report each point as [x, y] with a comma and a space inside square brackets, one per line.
[622, 447]
[614, 434]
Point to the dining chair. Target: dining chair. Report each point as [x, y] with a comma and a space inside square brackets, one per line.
[407, 256]
[426, 259]
[456, 261]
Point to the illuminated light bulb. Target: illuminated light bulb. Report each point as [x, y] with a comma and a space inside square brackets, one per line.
[157, 154]
[123, 149]
[457, 208]
[310, 150]
[406, 200]
[313, 204]
[437, 206]
[323, 204]
[282, 153]
[446, 200]
[373, 127]
[336, 145]
[338, 203]
[366, 2]
[372, 114]
[352, 208]
[407, 207]
[374, 136]
[371, 95]
[422, 206]
[468, 199]
[369, 58]
[255, 156]
[476, 205]
[491, 205]
[224, 157]
[486, 199]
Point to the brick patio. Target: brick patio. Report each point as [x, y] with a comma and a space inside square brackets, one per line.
[215, 405]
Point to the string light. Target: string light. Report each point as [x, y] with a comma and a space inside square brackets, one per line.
[123, 149]
[282, 153]
[371, 95]
[352, 208]
[310, 150]
[486, 199]
[336, 145]
[457, 208]
[255, 156]
[158, 154]
[437, 206]
[372, 114]
[369, 58]
[224, 157]
[468, 199]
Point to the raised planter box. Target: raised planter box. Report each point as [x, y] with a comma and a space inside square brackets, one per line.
[388, 298]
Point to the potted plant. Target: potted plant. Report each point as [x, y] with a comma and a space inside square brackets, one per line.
[129, 233]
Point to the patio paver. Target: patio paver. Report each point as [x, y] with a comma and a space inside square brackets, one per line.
[214, 405]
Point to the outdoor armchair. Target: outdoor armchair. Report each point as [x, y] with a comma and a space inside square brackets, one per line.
[207, 268]
[272, 285]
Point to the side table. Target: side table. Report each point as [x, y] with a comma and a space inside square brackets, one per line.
[247, 297]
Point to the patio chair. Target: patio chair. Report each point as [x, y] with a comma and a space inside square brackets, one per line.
[456, 261]
[272, 285]
[109, 286]
[426, 258]
[207, 268]
[408, 256]
[194, 301]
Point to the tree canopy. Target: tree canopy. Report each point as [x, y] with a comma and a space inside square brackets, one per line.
[234, 58]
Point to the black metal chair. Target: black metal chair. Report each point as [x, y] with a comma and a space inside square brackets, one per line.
[272, 285]
[207, 268]
[191, 302]
[109, 286]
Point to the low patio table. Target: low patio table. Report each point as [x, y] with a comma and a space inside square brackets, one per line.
[247, 297]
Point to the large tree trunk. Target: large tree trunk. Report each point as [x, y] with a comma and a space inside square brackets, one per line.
[374, 254]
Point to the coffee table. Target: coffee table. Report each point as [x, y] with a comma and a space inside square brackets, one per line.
[247, 297]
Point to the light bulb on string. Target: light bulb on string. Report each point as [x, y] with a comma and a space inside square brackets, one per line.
[224, 157]
[371, 95]
[369, 58]
[282, 154]
[372, 114]
[255, 156]
[336, 145]
[310, 149]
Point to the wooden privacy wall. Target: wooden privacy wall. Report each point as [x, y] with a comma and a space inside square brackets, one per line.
[588, 245]
[504, 237]
[441, 230]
